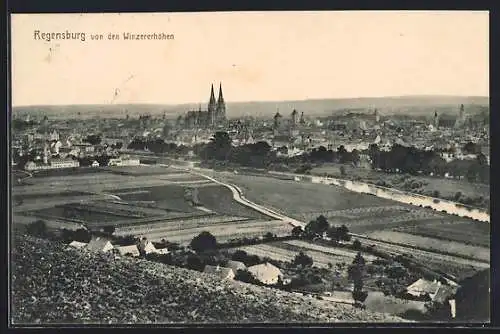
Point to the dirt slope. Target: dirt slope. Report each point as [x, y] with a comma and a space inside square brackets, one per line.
[53, 284]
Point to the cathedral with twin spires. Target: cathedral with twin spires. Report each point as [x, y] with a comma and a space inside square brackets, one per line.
[213, 117]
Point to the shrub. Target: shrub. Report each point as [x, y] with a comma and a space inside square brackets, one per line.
[303, 260]
[245, 276]
[356, 244]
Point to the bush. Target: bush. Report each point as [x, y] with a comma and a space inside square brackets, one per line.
[303, 260]
[356, 244]
[245, 276]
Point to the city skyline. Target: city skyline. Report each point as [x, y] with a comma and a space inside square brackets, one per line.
[273, 56]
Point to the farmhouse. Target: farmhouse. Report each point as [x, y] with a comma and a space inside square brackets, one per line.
[131, 250]
[77, 244]
[100, 244]
[222, 272]
[266, 273]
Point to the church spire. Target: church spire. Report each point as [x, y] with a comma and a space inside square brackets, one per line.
[212, 96]
[221, 98]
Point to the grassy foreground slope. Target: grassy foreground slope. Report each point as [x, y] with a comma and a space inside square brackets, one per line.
[52, 284]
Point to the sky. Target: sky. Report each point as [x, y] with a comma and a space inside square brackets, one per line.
[258, 56]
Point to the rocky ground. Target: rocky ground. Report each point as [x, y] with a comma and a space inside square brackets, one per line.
[53, 284]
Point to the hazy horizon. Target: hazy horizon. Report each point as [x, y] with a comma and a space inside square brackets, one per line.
[203, 104]
[258, 57]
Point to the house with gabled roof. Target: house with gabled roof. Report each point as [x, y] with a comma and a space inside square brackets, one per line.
[131, 250]
[100, 244]
[266, 273]
[223, 273]
[423, 287]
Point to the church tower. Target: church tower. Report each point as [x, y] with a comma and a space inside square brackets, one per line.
[221, 106]
[212, 107]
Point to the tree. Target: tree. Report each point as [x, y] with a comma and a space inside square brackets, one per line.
[355, 273]
[203, 242]
[317, 227]
[332, 234]
[356, 244]
[219, 146]
[37, 228]
[359, 260]
[93, 139]
[343, 233]
[297, 231]
[303, 260]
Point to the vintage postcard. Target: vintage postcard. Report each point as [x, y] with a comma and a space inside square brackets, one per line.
[250, 167]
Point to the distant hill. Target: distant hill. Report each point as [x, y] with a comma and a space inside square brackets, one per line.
[313, 107]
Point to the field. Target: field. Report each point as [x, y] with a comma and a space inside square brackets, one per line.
[68, 172]
[296, 198]
[224, 228]
[216, 198]
[465, 232]
[168, 197]
[77, 287]
[458, 248]
[220, 199]
[287, 250]
[142, 170]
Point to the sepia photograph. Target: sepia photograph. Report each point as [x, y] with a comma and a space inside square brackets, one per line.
[280, 167]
